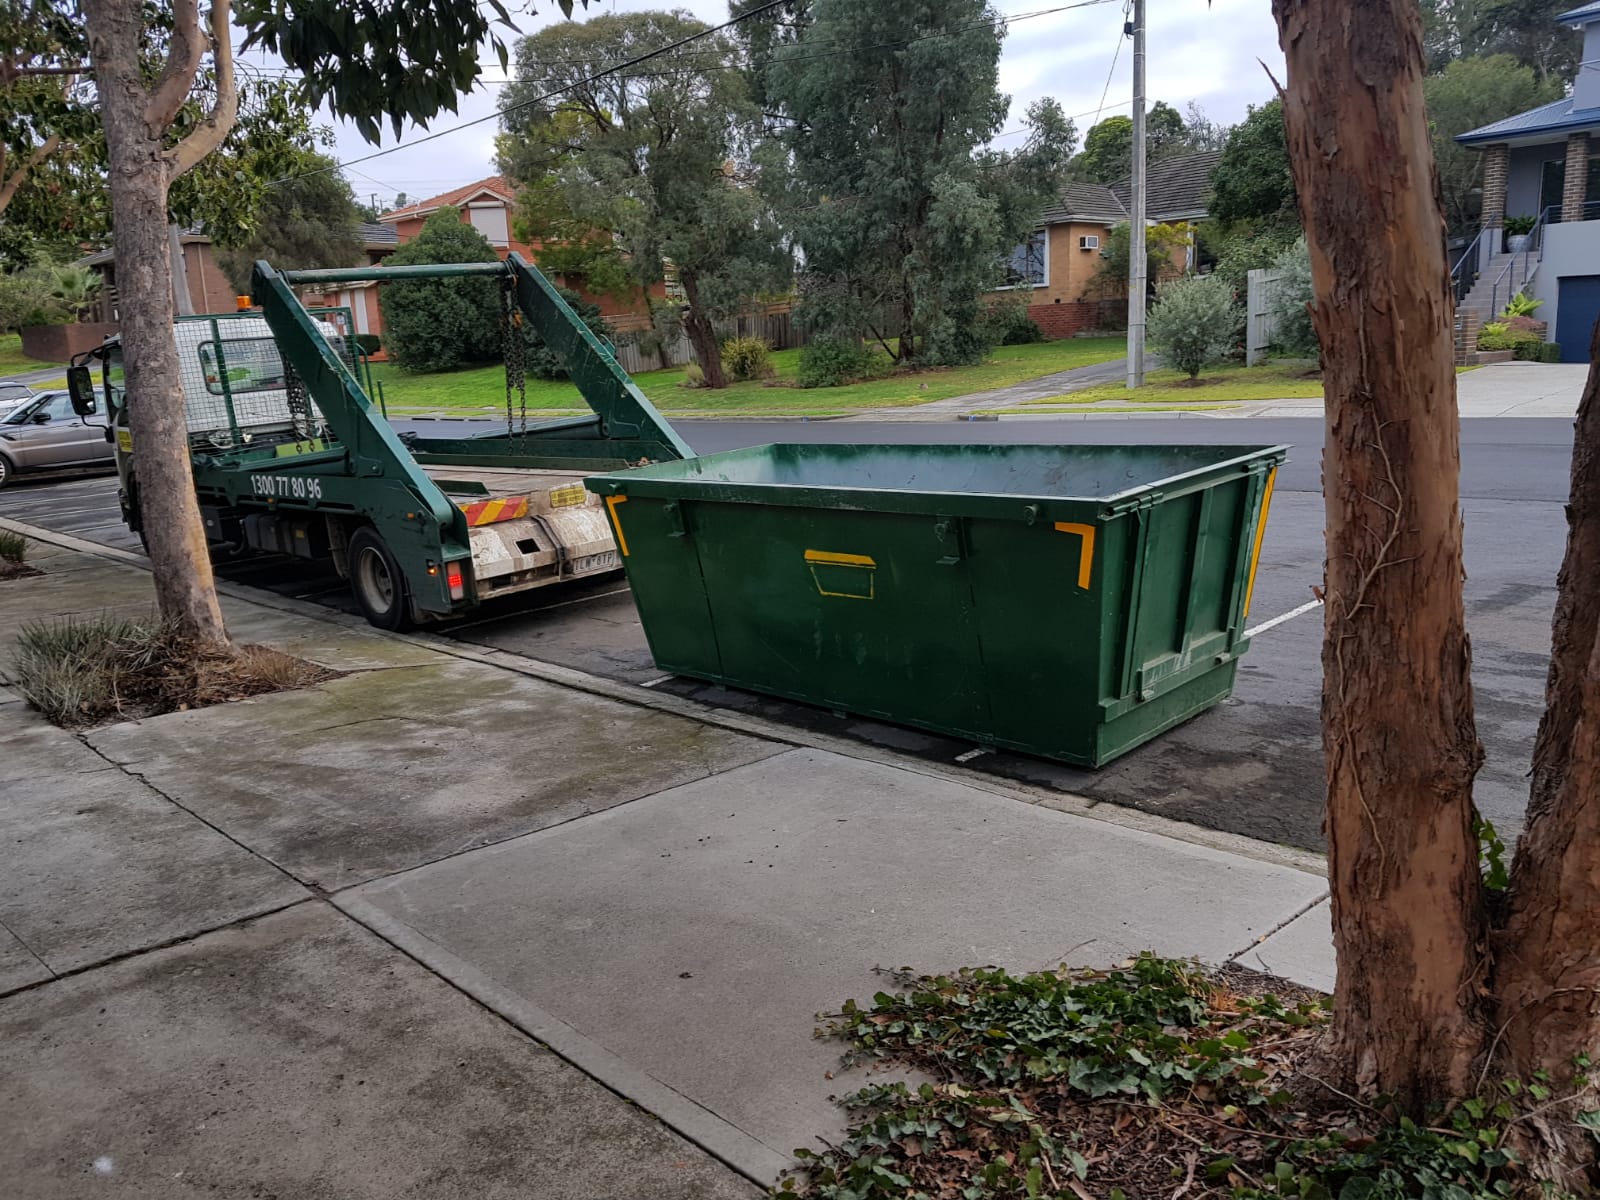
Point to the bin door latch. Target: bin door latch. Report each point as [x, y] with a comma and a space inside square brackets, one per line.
[673, 512]
[948, 532]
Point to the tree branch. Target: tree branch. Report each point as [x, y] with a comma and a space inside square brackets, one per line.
[183, 60]
[8, 73]
[10, 183]
[208, 135]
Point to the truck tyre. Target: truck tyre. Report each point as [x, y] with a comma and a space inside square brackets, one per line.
[376, 580]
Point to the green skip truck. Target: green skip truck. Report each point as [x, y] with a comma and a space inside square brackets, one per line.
[291, 455]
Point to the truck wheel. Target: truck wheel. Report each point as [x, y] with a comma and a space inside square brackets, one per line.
[376, 580]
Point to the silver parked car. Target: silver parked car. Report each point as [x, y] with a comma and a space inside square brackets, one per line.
[13, 395]
[46, 435]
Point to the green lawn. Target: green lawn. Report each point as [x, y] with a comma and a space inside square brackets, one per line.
[13, 360]
[484, 387]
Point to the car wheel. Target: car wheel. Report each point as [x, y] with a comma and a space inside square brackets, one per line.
[376, 580]
[6, 470]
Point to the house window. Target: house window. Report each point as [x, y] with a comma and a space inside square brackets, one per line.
[1028, 264]
[490, 220]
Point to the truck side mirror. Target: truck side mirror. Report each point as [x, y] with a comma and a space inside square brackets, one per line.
[80, 385]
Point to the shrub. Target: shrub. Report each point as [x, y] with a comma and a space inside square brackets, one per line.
[368, 343]
[541, 361]
[747, 358]
[831, 362]
[693, 376]
[13, 546]
[1539, 351]
[1521, 305]
[442, 324]
[1010, 325]
[1491, 329]
[1523, 325]
[1194, 322]
[1507, 339]
[1292, 331]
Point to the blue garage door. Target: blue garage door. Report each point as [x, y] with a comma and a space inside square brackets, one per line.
[1577, 309]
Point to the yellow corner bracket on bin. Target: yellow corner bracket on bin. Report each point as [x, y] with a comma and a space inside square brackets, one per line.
[1261, 532]
[848, 576]
[1086, 554]
[616, 521]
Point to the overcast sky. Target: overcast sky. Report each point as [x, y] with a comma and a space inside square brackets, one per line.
[1211, 55]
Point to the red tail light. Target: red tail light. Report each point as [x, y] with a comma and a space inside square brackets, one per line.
[457, 581]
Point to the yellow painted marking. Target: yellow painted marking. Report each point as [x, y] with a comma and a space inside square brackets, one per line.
[1261, 531]
[1086, 555]
[566, 497]
[125, 441]
[291, 449]
[616, 522]
[850, 563]
[844, 560]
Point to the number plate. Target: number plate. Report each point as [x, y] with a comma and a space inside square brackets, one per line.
[610, 560]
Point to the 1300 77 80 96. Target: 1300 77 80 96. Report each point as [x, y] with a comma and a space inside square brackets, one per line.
[287, 487]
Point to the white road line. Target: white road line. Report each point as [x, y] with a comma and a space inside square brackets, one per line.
[972, 754]
[1279, 620]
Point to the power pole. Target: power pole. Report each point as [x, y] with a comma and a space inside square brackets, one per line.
[1137, 265]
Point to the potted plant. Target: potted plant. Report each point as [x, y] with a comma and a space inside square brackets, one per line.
[1517, 231]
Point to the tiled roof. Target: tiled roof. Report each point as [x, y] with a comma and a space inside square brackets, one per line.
[1556, 117]
[1175, 188]
[1085, 202]
[1583, 13]
[379, 235]
[499, 185]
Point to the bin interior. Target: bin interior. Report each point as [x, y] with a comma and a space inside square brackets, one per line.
[1068, 472]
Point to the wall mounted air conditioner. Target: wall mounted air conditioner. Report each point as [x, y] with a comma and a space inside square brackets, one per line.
[1089, 241]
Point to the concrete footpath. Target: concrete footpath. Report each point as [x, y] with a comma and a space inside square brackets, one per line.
[458, 923]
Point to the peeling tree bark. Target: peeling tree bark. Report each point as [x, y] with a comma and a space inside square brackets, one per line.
[1547, 971]
[140, 174]
[1397, 696]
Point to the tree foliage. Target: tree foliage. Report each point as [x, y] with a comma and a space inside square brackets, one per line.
[1467, 94]
[1107, 151]
[1527, 30]
[630, 175]
[53, 155]
[442, 324]
[1252, 181]
[902, 221]
[311, 220]
[1163, 243]
[1194, 322]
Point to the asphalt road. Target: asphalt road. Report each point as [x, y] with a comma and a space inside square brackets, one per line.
[1251, 766]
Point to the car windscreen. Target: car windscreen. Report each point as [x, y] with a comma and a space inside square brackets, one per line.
[25, 414]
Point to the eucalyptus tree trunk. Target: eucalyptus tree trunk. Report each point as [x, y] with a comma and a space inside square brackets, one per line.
[1397, 713]
[136, 116]
[702, 333]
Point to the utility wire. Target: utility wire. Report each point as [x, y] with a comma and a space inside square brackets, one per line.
[1122, 35]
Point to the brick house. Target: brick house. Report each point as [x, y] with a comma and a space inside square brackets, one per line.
[1061, 259]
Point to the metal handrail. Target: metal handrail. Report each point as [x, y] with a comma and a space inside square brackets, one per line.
[1465, 272]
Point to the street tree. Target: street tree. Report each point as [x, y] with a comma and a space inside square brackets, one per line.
[1440, 984]
[903, 220]
[309, 220]
[1253, 180]
[168, 101]
[651, 171]
[1469, 93]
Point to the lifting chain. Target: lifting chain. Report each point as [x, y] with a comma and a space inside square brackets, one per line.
[513, 348]
[299, 403]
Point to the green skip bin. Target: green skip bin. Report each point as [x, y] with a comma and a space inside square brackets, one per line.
[1066, 601]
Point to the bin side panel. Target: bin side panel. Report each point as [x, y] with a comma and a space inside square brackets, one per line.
[1038, 592]
[664, 573]
[846, 609]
